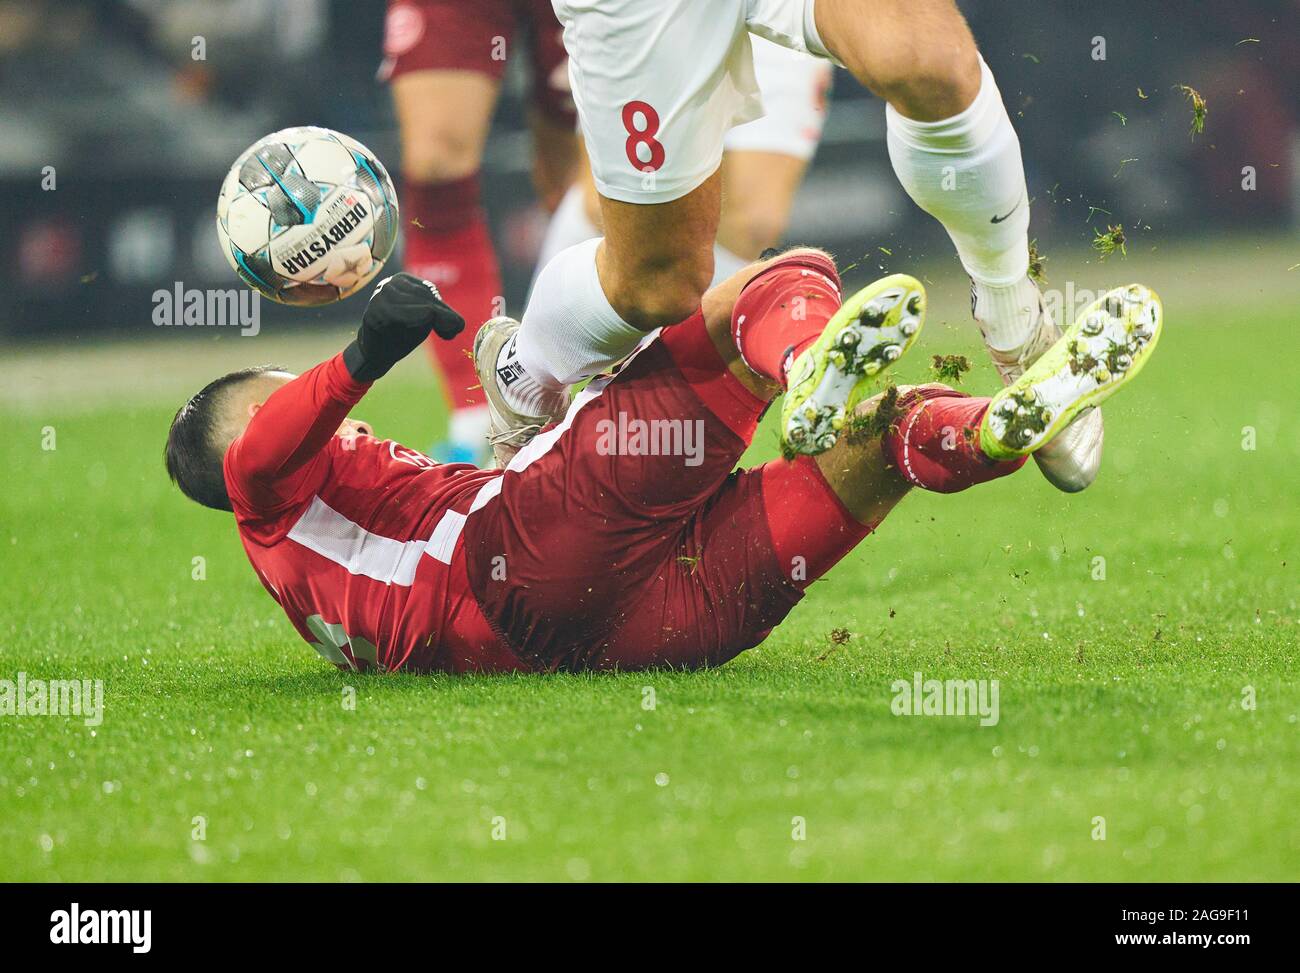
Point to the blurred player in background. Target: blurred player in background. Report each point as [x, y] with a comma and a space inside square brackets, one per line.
[762, 166]
[657, 83]
[445, 60]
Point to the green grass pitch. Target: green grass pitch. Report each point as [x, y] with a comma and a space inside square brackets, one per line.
[1120, 698]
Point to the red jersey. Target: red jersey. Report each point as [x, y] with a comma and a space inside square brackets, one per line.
[358, 538]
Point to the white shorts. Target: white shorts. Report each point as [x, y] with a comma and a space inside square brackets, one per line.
[658, 83]
[794, 87]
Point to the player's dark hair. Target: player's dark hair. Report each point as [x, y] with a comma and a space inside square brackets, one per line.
[194, 458]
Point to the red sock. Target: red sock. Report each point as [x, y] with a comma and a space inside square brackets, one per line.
[447, 242]
[783, 310]
[811, 529]
[935, 441]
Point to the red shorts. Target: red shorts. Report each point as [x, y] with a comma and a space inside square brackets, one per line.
[621, 537]
[478, 35]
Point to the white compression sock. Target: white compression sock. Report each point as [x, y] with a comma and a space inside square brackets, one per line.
[966, 172]
[1007, 315]
[525, 393]
[569, 330]
[569, 225]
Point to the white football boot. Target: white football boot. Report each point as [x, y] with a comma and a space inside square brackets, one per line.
[510, 430]
[1070, 462]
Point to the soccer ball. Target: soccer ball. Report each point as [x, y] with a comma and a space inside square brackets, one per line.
[307, 216]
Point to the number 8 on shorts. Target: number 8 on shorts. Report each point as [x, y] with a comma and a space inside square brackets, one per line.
[644, 137]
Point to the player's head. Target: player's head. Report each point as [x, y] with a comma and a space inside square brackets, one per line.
[208, 423]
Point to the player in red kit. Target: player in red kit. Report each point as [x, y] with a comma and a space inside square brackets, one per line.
[445, 60]
[622, 536]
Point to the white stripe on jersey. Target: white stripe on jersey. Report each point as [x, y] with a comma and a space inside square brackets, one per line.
[488, 491]
[331, 535]
[442, 544]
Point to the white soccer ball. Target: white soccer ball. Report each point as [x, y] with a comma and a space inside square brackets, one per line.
[307, 216]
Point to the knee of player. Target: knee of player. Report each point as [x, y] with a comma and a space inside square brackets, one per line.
[434, 157]
[655, 306]
[662, 292]
[927, 82]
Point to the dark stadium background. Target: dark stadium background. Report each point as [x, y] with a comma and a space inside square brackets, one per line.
[140, 135]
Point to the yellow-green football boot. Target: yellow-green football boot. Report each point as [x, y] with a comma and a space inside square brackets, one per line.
[871, 330]
[1106, 347]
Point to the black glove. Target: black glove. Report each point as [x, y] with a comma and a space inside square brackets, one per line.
[401, 313]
